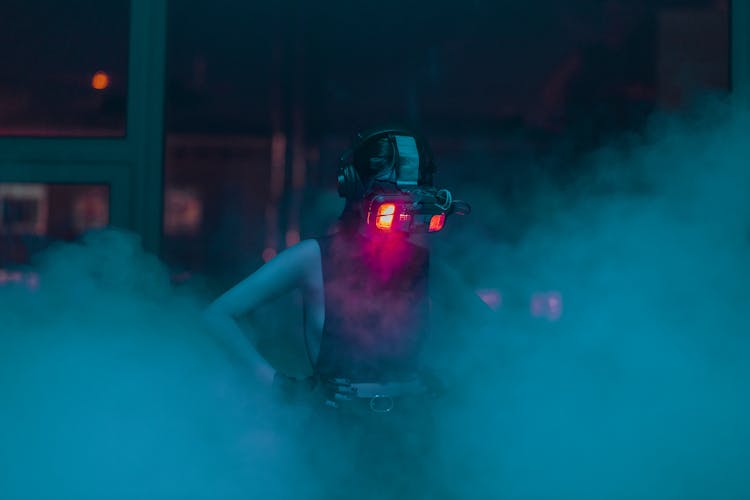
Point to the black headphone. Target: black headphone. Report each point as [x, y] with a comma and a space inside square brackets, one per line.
[350, 184]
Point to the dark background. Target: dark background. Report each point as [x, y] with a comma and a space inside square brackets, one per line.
[261, 97]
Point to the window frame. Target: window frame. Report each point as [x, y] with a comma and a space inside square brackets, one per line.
[130, 165]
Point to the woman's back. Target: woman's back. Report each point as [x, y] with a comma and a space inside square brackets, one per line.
[376, 309]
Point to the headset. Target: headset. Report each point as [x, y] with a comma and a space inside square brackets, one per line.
[418, 159]
[407, 201]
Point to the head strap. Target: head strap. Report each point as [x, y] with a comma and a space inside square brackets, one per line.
[407, 160]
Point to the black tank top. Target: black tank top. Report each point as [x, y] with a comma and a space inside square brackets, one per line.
[376, 308]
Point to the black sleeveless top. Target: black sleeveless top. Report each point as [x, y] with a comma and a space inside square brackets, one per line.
[376, 308]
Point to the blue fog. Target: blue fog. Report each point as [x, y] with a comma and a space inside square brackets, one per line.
[110, 388]
[639, 391]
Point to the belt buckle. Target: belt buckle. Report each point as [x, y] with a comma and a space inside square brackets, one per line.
[381, 404]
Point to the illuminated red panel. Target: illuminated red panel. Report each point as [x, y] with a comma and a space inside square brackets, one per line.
[437, 222]
[384, 219]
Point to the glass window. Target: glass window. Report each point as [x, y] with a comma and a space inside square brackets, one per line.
[34, 215]
[216, 201]
[494, 85]
[64, 67]
[221, 200]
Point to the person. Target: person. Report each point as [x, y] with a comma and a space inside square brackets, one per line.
[366, 308]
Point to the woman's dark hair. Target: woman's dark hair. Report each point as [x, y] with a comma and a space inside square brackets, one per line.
[371, 160]
[374, 158]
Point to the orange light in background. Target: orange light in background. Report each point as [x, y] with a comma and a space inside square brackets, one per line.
[91, 209]
[183, 211]
[100, 80]
[268, 254]
[292, 237]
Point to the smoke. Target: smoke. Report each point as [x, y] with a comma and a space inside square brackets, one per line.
[638, 391]
[111, 389]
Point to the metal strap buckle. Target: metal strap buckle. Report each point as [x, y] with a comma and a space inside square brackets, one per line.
[381, 404]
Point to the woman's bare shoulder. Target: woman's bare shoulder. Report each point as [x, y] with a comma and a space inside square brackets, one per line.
[307, 249]
[297, 261]
[305, 254]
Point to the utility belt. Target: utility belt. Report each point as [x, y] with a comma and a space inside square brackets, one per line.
[376, 397]
[362, 397]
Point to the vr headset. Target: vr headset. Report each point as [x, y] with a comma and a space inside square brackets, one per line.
[401, 197]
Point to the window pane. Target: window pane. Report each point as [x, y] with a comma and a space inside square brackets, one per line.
[64, 67]
[34, 215]
[216, 201]
[220, 198]
[494, 85]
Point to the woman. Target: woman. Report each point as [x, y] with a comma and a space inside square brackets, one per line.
[365, 302]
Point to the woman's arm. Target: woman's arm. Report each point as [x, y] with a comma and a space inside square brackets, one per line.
[292, 268]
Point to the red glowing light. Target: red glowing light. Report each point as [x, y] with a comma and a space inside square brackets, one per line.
[437, 222]
[292, 237]
[268, 254]
[100, 80]
[384, 219]
[493, 298]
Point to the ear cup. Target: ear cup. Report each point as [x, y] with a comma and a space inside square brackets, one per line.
[349, 184]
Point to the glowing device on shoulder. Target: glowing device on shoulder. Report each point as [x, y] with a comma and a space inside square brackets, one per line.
[437, 222]
[384, 218]
[405, 211]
